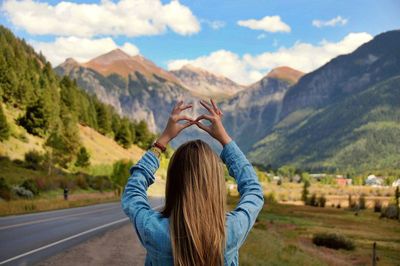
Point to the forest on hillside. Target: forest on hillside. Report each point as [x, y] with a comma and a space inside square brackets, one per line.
[52, 106]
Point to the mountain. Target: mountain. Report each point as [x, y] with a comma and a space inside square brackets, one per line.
[344, 115]
[253, 112]
[345, 75]
[120, 63]
[134, 86]
[286, 73]
[205, 84]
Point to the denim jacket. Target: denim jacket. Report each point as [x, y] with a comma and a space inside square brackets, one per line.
[153, 229]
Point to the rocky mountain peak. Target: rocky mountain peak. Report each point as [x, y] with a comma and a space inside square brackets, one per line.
[285, 73]
[204, 83]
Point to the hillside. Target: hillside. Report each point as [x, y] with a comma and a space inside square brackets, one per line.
[43, 111]
[344, 115]
[102, 149]
[253, 112]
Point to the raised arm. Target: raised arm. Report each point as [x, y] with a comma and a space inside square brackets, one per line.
[134, 199]
[251, 195]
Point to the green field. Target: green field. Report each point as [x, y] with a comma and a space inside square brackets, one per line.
[283, 235]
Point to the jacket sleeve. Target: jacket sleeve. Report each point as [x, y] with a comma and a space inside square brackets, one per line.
[134, 199]
[251, 201]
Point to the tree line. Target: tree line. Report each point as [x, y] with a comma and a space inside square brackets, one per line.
[53, 106]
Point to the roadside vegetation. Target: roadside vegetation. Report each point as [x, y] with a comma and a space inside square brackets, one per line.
[286, 234]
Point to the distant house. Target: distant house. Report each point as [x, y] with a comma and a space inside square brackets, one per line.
[373, 180]
[343, 181]
[396, 183]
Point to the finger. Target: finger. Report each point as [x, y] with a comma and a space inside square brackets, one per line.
[188, 124]
[203, 127]
[205, 105]
[207, 117]
[179, 103]
[214, 105]
[184, 117]
[184, 107]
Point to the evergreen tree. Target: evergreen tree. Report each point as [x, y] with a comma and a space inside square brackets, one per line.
[4, 128]
[124, 136]
[103, 118]
[305, 192]
[83, 158]
[36, 120]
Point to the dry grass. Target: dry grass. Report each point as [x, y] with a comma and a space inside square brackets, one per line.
[104, 150]
[283, 236]
[53, 202]
[290, 193]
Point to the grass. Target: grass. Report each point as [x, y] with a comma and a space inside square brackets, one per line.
[283, 236]
[54, 200]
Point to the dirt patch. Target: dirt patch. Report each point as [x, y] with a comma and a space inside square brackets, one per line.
[116, 247]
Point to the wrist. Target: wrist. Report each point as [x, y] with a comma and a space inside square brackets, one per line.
[225, 140]
[163, 140]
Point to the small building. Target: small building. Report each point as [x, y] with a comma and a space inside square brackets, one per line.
[343, 181]
[396, 183]
[373, 180]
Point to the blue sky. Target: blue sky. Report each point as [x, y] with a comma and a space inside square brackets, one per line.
[203, 32]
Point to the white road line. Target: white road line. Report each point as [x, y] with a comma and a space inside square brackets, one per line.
[53, 218]
[68, 238]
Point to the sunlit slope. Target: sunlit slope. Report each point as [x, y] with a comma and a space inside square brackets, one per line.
[102, 149]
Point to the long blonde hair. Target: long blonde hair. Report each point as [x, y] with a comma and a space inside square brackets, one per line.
[195, 204]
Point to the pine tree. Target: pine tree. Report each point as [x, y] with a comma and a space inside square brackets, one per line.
[4, 127]
[103, 118]
[36, 120]
[83, 158]
[123, 136]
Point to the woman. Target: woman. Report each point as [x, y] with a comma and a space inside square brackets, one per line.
[193, 228]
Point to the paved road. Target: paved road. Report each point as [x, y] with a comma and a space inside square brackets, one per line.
[27, 239]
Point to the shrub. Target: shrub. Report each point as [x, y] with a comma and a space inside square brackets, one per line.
[322, 201]
[390, 212]
[270, 198]
[338, 206]
[334, 241]
[312, 201]
[5, 189]
[352, 204]
[377, 206]
[22, 192]
[362, 202]
[83, 158]
[30, 185]
[100, 183]
[33, 160]
[81, 182]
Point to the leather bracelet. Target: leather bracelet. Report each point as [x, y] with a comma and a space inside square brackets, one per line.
[160, 146]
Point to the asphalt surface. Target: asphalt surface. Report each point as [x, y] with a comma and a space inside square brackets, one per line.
[31, 238]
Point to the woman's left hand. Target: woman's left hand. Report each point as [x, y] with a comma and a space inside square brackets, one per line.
[173, 127]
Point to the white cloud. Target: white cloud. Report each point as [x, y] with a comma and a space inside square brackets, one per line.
[214, 24]
[268, 23]
[331, 23]
[250, 68]
[125, 17]
[81, 49]
[261, 36]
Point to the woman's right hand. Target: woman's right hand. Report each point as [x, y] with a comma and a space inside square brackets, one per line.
[216, 129]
